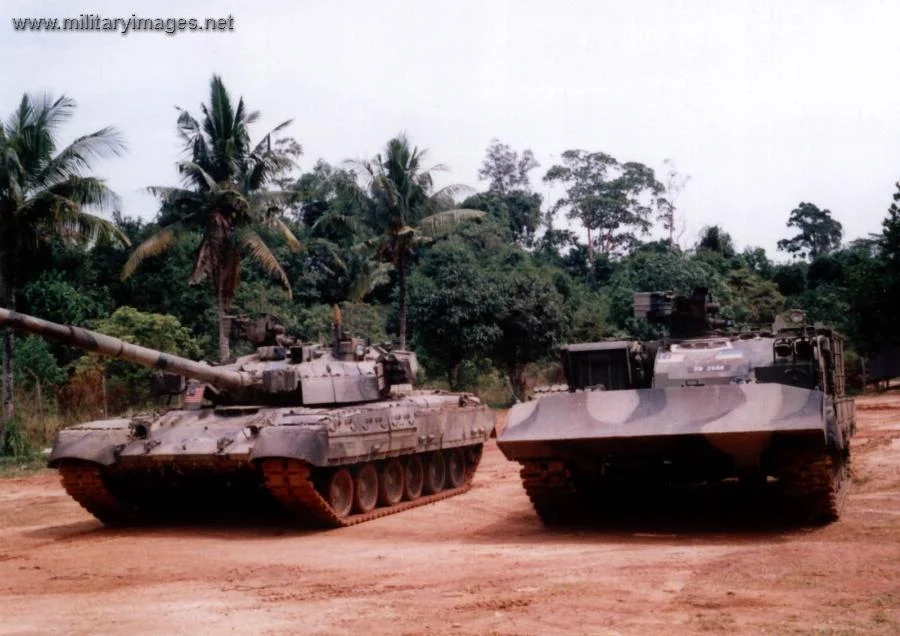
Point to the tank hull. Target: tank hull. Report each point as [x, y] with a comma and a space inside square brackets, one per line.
[574, 444]
[143, 468]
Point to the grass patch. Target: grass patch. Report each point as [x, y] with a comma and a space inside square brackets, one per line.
[19, 452]
[21, 466]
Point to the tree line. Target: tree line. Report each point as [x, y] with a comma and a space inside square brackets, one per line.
[478, 283]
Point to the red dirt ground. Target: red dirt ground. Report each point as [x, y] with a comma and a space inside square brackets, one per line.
[475, 564]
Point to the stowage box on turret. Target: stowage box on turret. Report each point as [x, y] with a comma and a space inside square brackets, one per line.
[334, 434]
[704, 404]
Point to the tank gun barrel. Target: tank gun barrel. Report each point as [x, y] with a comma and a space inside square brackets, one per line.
[114, 348]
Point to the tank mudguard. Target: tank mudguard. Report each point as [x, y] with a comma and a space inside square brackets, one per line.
[308, 445]
[95, 442]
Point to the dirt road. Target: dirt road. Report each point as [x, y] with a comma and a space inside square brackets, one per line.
[475, 564]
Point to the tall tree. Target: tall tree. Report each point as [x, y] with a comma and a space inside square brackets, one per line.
[875, 286]
[889, 241]
[614, 200]
[518, 210]
[45, 194]
[714, 239]
[329, 205]
[755, 259]
[819, 233]
[675, 183]
[326, 192]
[225, 199]
[407, 211]
[506, 169]
[454, 307]
[531, 320]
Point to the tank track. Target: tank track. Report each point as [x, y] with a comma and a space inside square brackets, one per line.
[290, 482]
[554, 495]
[293, 484]
[83, 482]
[816, 488]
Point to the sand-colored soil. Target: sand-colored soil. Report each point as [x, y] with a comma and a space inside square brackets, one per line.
[479, 563]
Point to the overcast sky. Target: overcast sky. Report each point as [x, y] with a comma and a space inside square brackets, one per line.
[762, 104]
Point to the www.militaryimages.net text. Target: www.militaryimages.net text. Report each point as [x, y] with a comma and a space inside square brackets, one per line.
[93, 22]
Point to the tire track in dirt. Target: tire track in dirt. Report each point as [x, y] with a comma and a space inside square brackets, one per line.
[478, 563]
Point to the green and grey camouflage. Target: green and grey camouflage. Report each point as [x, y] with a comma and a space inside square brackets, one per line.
[702, 405]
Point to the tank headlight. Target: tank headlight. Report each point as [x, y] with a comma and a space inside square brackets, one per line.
[797, 317]
[360, 351]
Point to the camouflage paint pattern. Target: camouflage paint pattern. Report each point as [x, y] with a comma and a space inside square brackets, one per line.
[419, 422]
[704, 391]
[735, 419]
[325, 411]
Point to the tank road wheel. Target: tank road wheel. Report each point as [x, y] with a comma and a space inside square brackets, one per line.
[456, 468]
[413, 478]
[365, 491]
[390, 483]
[340, 492]
[435, 473]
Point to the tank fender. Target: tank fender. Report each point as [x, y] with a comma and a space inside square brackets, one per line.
[97, 442]
[293, 442]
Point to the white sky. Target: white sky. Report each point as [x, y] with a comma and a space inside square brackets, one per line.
[762, 104]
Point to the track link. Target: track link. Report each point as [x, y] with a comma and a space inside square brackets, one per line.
[554, 495]
[818, 487]
[84, 483]
[292, 483]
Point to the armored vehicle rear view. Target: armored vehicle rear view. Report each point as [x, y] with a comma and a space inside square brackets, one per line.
[701, 405]
[334, 434]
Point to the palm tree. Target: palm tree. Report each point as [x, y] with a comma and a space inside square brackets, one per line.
[44, 195]
[225, 200]
[405, 210]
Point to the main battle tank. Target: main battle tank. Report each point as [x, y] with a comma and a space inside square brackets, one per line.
[703, 405]
[334, 434]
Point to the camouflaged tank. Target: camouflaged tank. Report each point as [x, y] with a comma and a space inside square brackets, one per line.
[335, 434]
[702, 405]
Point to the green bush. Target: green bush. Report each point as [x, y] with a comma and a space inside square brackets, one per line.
[16, 443]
